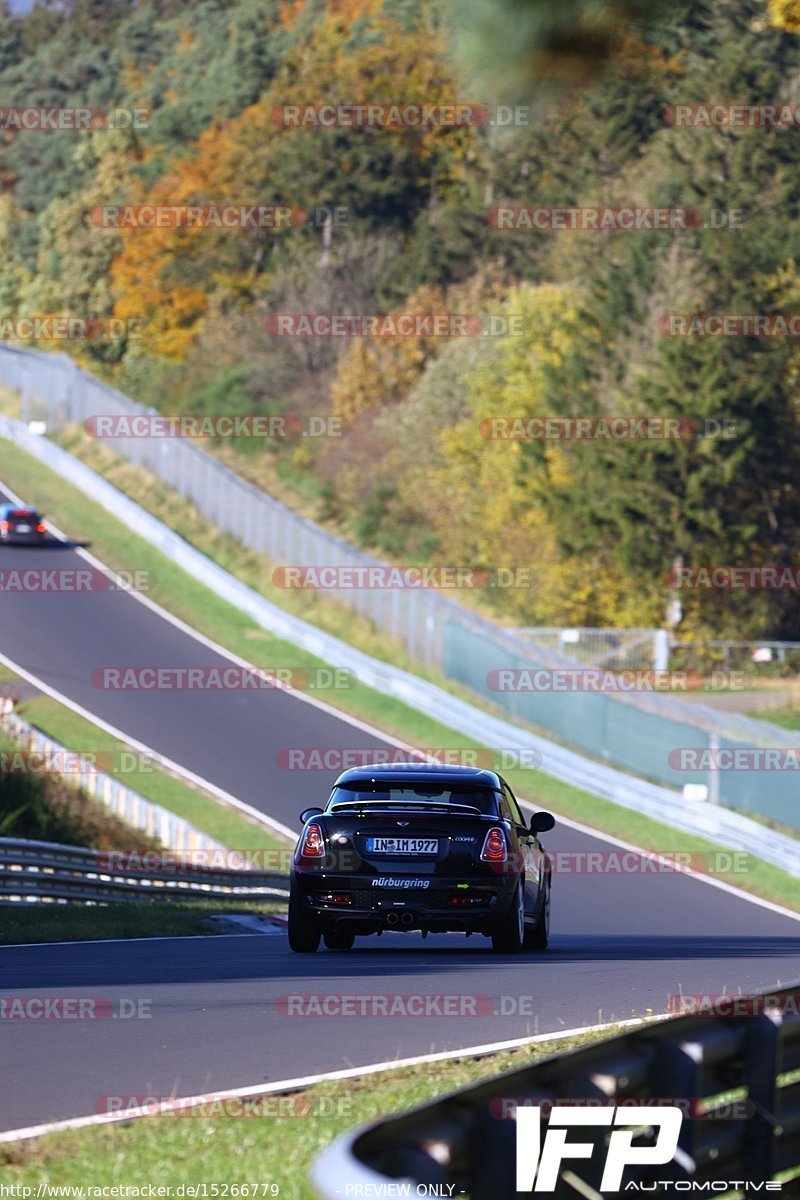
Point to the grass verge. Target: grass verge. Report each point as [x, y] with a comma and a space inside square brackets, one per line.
[200, 809]
[786, 718]
[96, 922]
[201, 608]
[269, 1149]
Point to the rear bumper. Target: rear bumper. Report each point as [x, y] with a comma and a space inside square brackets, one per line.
[364, 903]
[24, 539]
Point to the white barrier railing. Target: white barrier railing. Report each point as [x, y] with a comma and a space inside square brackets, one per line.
[720, 825]
[165, 826]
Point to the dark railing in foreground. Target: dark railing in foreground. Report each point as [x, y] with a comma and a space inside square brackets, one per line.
[47, 872]
[730, 1074]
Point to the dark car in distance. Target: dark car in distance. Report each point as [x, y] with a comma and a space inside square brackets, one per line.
[21, 526]
[420, 847]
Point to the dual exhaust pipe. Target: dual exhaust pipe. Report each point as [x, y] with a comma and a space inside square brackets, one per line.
[403, 919]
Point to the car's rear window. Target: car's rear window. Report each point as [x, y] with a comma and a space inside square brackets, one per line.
[422, 793]
[23, 516]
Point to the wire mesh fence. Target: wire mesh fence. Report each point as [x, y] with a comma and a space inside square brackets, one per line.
[614, 649]
[643, 730]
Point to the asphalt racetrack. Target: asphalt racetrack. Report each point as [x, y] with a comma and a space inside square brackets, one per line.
[213, 1012]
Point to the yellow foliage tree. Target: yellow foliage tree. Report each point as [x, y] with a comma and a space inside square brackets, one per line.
[169, 275]
[373, 374]
[483, 492]
[785, 14]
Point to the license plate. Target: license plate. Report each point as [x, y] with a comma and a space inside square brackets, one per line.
[401, 845]
[22, 528]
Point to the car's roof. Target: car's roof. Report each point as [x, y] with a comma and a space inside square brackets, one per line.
[7, 508]
[416, 772]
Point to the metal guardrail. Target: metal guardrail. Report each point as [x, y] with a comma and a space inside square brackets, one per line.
[165, 826]
[47, 872]
[712, 821]
[730, 1076]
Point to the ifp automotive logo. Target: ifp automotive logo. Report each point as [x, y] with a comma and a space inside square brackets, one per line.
[539, 1159]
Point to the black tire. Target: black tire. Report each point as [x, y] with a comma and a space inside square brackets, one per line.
[304, 934]
[537, 936]
[336, 939]
[509, 936]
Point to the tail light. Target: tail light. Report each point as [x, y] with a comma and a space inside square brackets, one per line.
[40, 527]
[3, 524]
[312, 843]
[495, 847]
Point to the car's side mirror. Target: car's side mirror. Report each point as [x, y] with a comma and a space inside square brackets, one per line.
[541, 822]
[308, 813]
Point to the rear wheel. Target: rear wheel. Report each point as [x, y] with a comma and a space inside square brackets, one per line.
[509, 936]
[304, 934]
[335, 939]
[537, 936]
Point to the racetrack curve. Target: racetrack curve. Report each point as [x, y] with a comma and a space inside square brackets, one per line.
[622, 944]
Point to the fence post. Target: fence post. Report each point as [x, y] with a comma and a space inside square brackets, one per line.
[713, 775]
[661, 650]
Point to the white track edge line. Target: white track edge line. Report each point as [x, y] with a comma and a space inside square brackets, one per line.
[287, 1085]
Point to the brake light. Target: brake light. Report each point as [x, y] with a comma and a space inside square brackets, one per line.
[312, 843]
[3, 524]
[40, 527]
[494, 847]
